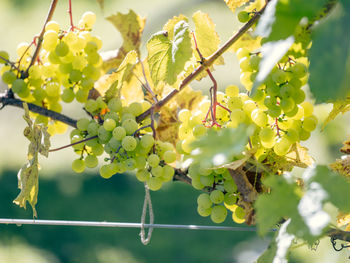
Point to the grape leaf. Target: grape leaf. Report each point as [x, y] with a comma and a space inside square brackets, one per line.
[28, 177]
[339, 106]
[110, 85]
[299, 156]
[170, 24]
[219, 147]
[207, 38]
[278, 247]
[330, 73]
[167, 56]
[342, 166]
[234, 4]
[281, 18]
[130, 26]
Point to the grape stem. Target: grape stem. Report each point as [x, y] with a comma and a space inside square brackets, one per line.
[70, 14]
[207, 63]
[72, 144]
[12, 64]
[41, 36]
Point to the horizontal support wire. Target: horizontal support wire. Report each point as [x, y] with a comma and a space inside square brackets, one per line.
[119, 224]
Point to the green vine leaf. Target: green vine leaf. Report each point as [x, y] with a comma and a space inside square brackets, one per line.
[130, 26]
[28, 176]
[167, 56]
[217, 148]
[330, 58]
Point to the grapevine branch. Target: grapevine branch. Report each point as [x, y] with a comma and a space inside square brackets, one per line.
[207, 63]
[7, 100]
[41, 36]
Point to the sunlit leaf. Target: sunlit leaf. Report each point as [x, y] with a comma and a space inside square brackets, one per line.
[234, 4]
[339, 106]
[167, 56]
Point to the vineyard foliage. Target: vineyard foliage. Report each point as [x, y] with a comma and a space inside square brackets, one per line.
[236, 148]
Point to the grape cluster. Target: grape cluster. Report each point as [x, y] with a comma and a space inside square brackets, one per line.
[66, 68]
[278, 112]
[130, 146]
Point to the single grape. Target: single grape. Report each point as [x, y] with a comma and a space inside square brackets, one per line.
[169, 156]
[105, 171]
[52, 25]
[199, 130]
[232, 91]
[168, 173]
[8, 77]
[309, 123]
[299, 70]
[254, 62]
[78, 165]
[89, 19]
[154, 183]
[217, 196]
[82, 124]
[4, 57]
[207, 180]
[92, 128]
[61, 49]
[184, 115]
[282, 146]
[91, 161]
[135, 108]
[18, 86]
[157, 171]
[119, 133]
[204, 211]
[109, 124]
[243, 17]
[115, 104]
[67, 95]
[218, 214]
[130, 126]
[259, 117]
[153, 160]
[82, 95]
[279, 76]
[129, 143]
[230, 199]
[143, 175]
[308, 108]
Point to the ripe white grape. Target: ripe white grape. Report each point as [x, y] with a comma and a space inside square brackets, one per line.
[204, 201]
[129, 143]
[78, 165]
[218, 214]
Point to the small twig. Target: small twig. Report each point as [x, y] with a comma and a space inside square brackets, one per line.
[9, 62]
[148, 87]
[7, 100]
[202, 67]
[41, 36]
[182, 176]
[142, 128]
[72, 144]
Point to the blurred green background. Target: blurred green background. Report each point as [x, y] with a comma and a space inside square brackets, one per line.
[67, 196]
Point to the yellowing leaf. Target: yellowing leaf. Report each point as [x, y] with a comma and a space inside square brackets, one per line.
[341, 106]
[299, 156]
[233, 4]
[247, 41]
[110, 84]
[28, 177]
[207, 38]
[255, 5]
[167, 56]
[170, 25]
[130, 27]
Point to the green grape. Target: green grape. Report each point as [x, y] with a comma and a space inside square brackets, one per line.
[207, 180]
[230, 186]
[89, 19]
[197, 184]
[135, 108]
[154, 183]
[237, 117]
[245, 79]
[300, 113]
[92, 128]
[82, 124]
[259, 95]
[93, 58]
[240, 213]
[52, 25]
[18, 86]
[104, 135]
[292, 135]
[91, 72]
[187, 145]
[98, 41]
[115, 104]
[287, 90]
[129, 143]
[243, 17]
[79, 62]
[92, 142]
[50, 38]
[61, 49]
[143, 175]
[168, 173]
[105, 171]
[279, 76]
[204, 200]
[140, 162]
[309, 123]
[169, 156]
[259, 117]
[54, 59]
[75, 75]
[87, 83]
[308, 108]
[130, 164]
[274, 111]
[65, 68]
[244, 64]
[254, 62]
[295, 82]
[204, 211]
[78, 165]
[8, 77]
[91, 105]
[230, 199]
[67, 95]
[157, 171]
[217, 196]
[232, 91]
[184, 115]
[109, 124]
[199, 130]
[130, 126]
[299, 70]
[304, 135]
[272, 89]
[299, 96]
[73, 132]
[287, 104]
[236, 219]
[112, 115]
[54, 106]
[266, 134]
[218, 214]
[282, 146]
[249, 106]
[293, 112]
[91, 161]
[234, 103]
[127, 116]
[184, 131]
[53, 89]
[4, 57]
[119, 133]
[90, 48]
[82, 95]
[153, 160]
[242, 52]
